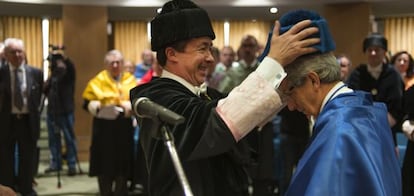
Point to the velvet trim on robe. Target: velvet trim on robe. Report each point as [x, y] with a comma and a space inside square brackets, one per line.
[351, 151]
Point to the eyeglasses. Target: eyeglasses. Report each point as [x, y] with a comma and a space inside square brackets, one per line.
[113, 62]
[292, 85]
[14, 52]
[289, 91]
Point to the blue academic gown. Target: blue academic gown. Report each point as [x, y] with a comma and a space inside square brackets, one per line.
[351, 151]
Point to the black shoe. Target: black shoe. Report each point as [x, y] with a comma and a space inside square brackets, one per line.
[71, 172]
[50, 170]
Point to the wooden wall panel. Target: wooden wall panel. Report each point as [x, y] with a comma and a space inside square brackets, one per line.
[85, 38]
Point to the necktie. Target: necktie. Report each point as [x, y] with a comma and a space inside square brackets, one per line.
[18, 98]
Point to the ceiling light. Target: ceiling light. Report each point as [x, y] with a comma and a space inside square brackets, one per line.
[273, 10]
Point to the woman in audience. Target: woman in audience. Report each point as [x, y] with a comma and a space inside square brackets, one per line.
[404, 63]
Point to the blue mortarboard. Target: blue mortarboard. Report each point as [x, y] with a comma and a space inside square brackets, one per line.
[291, 18]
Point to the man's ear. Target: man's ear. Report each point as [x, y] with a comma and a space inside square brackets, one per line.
[171, 54]
[316, 82]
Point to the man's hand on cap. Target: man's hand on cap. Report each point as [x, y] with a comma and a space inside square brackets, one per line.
[287, 47]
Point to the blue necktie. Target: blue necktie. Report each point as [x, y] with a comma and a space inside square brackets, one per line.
[18, 98]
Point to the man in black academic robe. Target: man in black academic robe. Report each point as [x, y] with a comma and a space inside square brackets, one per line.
[210, 140]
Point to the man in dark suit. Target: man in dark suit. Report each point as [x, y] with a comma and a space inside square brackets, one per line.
[20, 97]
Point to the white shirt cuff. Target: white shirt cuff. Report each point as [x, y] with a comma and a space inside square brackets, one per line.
[249, 105]
[272, 71]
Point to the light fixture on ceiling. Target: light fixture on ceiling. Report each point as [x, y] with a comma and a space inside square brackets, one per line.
[273, 10]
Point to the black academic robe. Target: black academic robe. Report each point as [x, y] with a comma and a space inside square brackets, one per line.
[212, 160]
[111, 150]
[408, 163]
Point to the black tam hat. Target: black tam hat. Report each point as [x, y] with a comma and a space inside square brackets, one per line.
[375, 39]
[179, 20]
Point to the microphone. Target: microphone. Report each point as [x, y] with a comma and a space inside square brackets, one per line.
[145, 108]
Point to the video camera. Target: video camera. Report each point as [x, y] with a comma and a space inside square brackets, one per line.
[55, 53]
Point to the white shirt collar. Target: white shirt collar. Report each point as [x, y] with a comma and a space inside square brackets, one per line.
[335, 92]
[331, 94]
[12, 68]
[195, 89]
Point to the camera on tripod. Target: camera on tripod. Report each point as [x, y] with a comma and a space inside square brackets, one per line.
[56, 60]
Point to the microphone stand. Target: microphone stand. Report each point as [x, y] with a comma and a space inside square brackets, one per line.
[169, 142]
[160, 117]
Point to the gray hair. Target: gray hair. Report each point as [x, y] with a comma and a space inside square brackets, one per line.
[116, 53]
[12, 41]
[325, 65]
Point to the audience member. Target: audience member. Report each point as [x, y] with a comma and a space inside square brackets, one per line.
[408, 130]
[351, 148]
[129, 66]
[20, 97]
[210, 139]
[210, 78]
[147, 60]
[294, 138]
[380, 79]
[60, 90]
[261, 167]
[135, 180]
[247, 64]
[107, 99]
[227, 59]
[404, 63]
[345, 64]
[154, 72]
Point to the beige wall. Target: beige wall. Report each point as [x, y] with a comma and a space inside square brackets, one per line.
[349, 24]
[85, 37]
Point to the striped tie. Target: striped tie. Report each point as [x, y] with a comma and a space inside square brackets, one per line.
[18, 98]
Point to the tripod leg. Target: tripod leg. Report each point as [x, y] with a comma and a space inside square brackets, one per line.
[58, 146]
